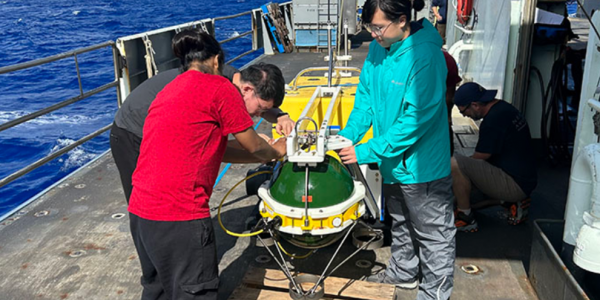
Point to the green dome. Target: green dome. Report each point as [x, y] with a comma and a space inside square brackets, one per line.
[330, 183]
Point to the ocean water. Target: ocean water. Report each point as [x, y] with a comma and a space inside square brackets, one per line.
[35, 29]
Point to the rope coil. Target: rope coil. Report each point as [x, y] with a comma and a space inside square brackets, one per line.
[151, 67]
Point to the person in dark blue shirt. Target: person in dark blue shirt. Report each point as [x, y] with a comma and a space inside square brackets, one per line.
[503, 166]
[440, 10]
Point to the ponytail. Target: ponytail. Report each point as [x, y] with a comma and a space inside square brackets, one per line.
[418, 5]
[191, 45]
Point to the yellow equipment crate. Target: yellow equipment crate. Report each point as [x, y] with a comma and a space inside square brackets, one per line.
[303, 87]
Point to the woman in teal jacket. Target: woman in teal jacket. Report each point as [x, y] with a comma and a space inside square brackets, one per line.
[401, 94]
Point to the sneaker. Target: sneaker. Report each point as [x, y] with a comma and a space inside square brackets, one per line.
[518, 212]
[465, 223]
[381, 277]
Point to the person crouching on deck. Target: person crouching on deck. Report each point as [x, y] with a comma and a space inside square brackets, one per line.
[185, 140]
[503, 166]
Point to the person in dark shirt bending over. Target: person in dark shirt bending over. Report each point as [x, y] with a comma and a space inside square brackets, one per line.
[126, 132]
[503, 166]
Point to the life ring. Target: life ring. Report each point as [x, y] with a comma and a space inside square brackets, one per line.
[463, 11]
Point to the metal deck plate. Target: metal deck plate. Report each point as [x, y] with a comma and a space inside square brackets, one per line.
[80, 249]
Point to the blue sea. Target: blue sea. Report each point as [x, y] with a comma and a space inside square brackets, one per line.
[36, 29]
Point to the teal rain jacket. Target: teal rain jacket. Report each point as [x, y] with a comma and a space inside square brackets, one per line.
[402, 95]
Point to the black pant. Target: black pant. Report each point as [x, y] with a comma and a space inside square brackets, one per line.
[179, 259]
[125, 148]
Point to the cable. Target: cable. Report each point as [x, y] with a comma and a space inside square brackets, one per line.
[295, 256]
[223, 200]
[255, 233]
[597, 88]
[588, 18]
[555, 115]
[542, 88]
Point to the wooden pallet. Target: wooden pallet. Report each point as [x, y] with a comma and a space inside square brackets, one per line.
[278, 21]
[265, 284]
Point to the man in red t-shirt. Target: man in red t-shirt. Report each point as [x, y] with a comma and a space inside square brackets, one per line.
[185, 138]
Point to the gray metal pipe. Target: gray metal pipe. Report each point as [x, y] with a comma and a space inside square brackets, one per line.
[56, 106]
[232, 16]
[330, 48]
[346, 41]
[237, 37]
[239, 56]
[41, 61]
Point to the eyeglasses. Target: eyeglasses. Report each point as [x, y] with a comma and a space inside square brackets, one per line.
[261, 109]
[378, 30]
[462, 112]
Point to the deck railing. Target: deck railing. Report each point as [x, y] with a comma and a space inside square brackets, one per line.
[249, 32]
[122, 76]
[82, 95]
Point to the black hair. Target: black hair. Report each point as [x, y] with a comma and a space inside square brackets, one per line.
[191, 45]
[267, 80]
[393, 9]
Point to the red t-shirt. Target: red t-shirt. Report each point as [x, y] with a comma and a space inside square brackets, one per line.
[185, 136]
[453, 78]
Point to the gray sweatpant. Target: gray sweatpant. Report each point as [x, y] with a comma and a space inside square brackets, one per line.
[423, 235]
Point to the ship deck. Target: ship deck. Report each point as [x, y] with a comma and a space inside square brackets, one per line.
[73, 242]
